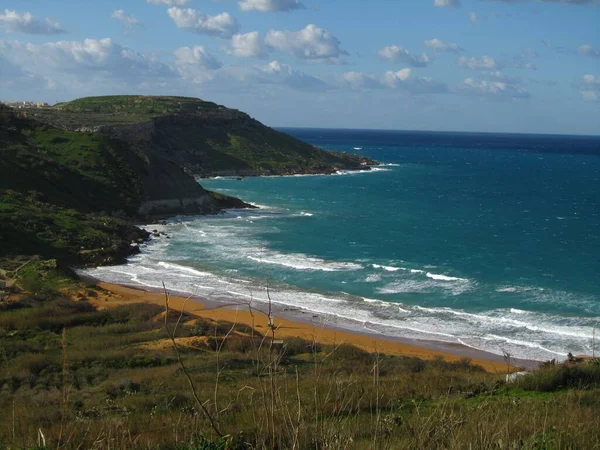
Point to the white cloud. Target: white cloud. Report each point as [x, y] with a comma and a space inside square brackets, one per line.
[398, 54]
[493, 89]
[87, 60]
[500, 76]
[15, 22]
[446, 3]
[168, 2]
[473, 17]
[283, 74]
[127, 19]
[196, 56]
[588, 50]
[247, 45]
[589, 88]
[270, 5]
[222, 25]
[404, 79]
[482, 63]
[392, 78]
[440, 46]
[272, 74]
[311, 43]
[359, 80]
[196, 64]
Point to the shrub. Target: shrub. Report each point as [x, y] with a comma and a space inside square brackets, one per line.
[552, 378]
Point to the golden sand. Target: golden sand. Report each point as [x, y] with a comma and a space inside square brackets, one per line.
[114, 295]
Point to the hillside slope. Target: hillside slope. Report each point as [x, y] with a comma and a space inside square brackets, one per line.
[204, 138]
[64, 194]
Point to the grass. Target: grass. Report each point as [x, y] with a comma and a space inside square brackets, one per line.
[111, 379]
[84, 171]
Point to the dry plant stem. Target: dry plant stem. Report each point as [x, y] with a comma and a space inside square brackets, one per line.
[65, 387]
[219, 370]
[187, 375]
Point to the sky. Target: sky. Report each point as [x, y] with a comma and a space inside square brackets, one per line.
[522, 66]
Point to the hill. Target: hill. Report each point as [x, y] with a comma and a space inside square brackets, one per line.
[73, 176]
[204, 138]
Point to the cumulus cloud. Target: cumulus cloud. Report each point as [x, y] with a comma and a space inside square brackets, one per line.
[440, 46]
[500, 76]
[311, 43]
[270, 5]
[196, 56]
[196, 64]
[85, 60]
[588, 50]
[404, 79]
[272, 74]
[284, 74]
[127, 19]
[392, 78]
[222, 25]
[589, 88]
[168, 2]
[247, 45]
[446, 3]
[482, 63]
[495, 88]
[398, 54]
[359, 80]
[15, 22]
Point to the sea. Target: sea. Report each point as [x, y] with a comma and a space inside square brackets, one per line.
[491, 241]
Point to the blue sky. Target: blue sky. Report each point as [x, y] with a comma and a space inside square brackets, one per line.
[452, 65]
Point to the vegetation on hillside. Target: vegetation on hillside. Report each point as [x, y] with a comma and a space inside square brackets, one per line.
[74, 376]
[148, 106]
[85, 171]
[29, 226]
[203, 137]
[63, 195]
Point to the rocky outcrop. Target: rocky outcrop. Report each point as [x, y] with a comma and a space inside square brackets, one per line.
[178, 205]
[142, 131]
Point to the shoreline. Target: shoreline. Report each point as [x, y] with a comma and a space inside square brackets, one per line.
[300, 323]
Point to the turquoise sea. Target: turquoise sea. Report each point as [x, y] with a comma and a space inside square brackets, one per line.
[488, 240]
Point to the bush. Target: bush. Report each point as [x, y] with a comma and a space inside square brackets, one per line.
[553, 378]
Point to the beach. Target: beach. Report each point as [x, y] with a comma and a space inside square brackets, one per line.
[298, 324]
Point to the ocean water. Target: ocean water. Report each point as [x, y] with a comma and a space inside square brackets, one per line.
[492, 241]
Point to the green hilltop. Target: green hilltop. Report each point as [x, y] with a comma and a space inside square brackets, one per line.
[203, 137]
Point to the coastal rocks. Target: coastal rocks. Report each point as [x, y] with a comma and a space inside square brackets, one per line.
[170, 206]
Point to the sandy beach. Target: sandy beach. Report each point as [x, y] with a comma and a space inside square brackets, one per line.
[300, 324]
